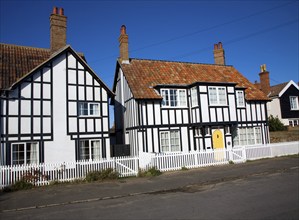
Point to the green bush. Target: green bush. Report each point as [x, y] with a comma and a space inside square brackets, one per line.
[153, 171]
[19, 185]
[102, 175]
[184, 168]
[275, 124]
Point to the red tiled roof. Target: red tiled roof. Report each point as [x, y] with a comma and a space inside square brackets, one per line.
[17, 61]
[143, 75]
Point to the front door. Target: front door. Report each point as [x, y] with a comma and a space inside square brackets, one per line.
[218, 144]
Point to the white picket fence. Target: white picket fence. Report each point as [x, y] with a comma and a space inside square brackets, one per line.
[167, 162]
[44, 174]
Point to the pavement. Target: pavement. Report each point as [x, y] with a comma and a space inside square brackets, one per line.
[181, 181]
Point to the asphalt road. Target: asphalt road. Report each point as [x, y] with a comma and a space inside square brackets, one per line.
[271, 195]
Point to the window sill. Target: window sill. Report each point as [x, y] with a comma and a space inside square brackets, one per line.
[89, 116]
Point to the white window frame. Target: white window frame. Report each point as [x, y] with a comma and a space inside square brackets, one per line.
[178, 101]
[92, 154]
[29, 157]
[243, 137]
[194, 98]
[216, 99]
[240, 98]
[85, 109]
[294, 103]
[169, 142]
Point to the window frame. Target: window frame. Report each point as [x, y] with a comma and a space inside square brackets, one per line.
[194, 96]
[169, 141]
[25, 152]
[168, 100]
[90, 154]
[242, 132]
[294, 103]
[88, 109]
[216, 101]
[240, 100]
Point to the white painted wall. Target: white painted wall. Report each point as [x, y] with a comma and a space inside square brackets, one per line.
[61, 149]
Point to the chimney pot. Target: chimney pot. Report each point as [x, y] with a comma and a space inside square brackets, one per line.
[55, 10]
[123, 30]
[219, 45]
[61, 11]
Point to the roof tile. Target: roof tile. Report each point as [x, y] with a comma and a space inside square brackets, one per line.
[143, 75]
[16, 61]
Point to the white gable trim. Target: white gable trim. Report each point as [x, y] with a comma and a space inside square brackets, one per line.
[287, 86]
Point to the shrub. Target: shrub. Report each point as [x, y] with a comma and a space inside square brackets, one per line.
[102, 175]
[184, 168]
[275, 124]
[153, 171]
[19, 185]
[93, 176]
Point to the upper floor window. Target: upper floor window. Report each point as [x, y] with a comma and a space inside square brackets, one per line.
[24, 153]
[174, 97]
[89, 109]
[194, 101]
[217, 95]
[240, 99]
[294, 102]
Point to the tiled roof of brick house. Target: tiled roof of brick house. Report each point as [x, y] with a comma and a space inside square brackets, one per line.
[144, 75]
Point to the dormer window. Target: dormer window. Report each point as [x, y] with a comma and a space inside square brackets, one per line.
[174, 97]
[294, 102]
[217, 95]
[240, 98]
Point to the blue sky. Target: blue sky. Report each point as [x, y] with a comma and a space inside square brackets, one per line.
[252, 32]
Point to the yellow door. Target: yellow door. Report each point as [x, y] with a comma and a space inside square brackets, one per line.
[218, 144]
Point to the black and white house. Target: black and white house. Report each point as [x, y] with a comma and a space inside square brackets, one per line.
[54, 108]
[166, 106]
[284, 99]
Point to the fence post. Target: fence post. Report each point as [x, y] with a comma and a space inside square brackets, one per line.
[244, 153]
[137, 165]
[230, 155]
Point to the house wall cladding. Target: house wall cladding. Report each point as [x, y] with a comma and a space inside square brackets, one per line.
[43, 108]
[143, 120]
[286, 111]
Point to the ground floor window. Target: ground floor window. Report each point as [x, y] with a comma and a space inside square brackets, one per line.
[247, 136]
[89, 150]
[24, 153]
[170, 141]
[293, 122]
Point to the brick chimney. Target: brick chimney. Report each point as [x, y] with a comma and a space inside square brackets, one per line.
[219, 54]
[264, 80]
[57, 29]
[123, 45]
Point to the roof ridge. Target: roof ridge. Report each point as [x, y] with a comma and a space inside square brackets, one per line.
[186, 62]
[28, 47]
